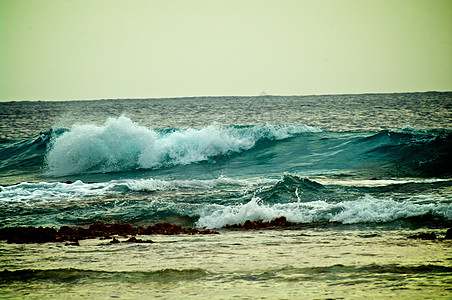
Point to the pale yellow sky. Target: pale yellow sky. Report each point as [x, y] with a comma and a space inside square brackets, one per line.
[103, 49]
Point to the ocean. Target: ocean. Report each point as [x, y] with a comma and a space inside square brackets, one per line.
[358, 174]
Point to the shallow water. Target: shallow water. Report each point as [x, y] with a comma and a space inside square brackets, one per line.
[291, 264]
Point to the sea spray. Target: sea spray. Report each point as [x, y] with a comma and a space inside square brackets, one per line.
[113, 147]
[121, 145]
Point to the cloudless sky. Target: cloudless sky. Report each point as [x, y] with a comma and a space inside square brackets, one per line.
[102, 49]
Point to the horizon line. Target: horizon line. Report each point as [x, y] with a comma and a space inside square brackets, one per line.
[225, 96]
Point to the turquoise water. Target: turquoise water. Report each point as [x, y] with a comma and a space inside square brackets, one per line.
[371, 169]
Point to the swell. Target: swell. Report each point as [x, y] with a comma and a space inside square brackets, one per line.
[291, 274]
[410, 152]
[260, 150]
[25, 155]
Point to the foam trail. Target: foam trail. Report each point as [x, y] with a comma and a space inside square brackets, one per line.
[30, 194]
[46, 192]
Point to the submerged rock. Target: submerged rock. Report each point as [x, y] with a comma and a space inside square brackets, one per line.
[448, 234]
[432, 236]
[135, 240]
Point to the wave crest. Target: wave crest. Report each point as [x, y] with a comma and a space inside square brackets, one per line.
[122, 145]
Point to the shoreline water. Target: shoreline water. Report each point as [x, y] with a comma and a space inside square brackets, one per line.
[310, 263]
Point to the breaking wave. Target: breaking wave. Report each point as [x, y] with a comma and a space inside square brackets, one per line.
[366, 209]
[121, 145]
[265, 150]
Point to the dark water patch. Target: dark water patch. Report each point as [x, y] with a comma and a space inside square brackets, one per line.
[398, 269]
[79, 275]
[409, 188]
[410, 152]
[428, 220]
[337, 274]
[342, 274]
[22, 157]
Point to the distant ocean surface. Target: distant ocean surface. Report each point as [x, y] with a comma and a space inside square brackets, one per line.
[371, 168]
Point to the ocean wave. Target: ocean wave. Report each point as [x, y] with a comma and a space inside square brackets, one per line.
[412, 152]
[41, 193]
[27, 153]
[121, 145]
[265, 150]
[222, 201]
[366, 209]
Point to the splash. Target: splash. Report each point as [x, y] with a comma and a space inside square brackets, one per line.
[367, 209]
[121, 145]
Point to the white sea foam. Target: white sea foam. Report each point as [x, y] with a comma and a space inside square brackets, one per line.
[121, 145]
[44, 192]
[370, 209]
[149, 185]
[376, 182]
[86, 148]
[365, 210]
[51, 192]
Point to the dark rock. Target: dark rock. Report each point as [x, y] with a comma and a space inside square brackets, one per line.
[98, 227]
[448, 234]
[72, 244]
[123, 229]
[95, 230]
[423, 236]
[21, 235]
[114, 241]
[280, 222]
[66, 230]
[135, 240]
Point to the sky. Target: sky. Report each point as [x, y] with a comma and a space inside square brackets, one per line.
[110, 49]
